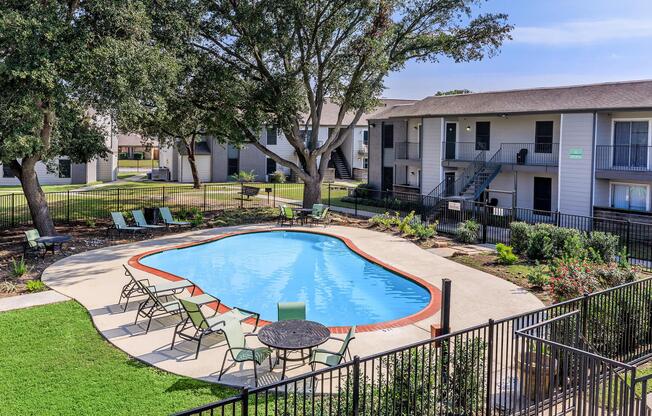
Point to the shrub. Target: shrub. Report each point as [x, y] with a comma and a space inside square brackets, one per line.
[572, 277]
[7, 287]
[244, 176]
[385, 220]
[364, 190]
[277, 177]
[505, 254]
[538, 276]
[19, 268]
[406, 222]
[423, 231]
[613, 274]
[90, 223]
[467, 232]
[520, 236]
[602, 246]
[566, 242]
[33, 286]
[194, 215]
[540, 245]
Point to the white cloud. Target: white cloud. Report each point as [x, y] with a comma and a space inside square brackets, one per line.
[584, 32]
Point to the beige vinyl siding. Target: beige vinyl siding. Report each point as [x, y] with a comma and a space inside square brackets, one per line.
[576, 175]
[375, 149]
[431, 169]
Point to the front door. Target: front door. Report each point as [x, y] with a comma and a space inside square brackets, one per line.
[388, 178]
[449, 184]
[542, 194]
[451, 138]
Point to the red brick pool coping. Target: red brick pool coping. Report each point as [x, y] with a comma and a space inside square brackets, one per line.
[433, 306]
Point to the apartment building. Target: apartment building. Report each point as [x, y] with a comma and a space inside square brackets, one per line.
[217, 161]
[583, 150]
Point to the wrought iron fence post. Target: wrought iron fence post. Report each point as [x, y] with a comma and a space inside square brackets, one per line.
[163, 195]
[245, 401]
[627, 243]
[241, 194]
[274, 195]
[584, 317]
[13, 209]
[204, 198]
[68, 206]
[356, 386]
[490, 366]
[118, 204]
[355, 202]
[329, 194]
[485, 213]
[445, 319]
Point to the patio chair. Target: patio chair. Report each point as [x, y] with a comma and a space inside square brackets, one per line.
[236, 340]
[168, 220]
[287, 214]
[120, 225]
[30, 243]
[321, 217]
[133, 288]
[140, 220]
[291, 310]
[333, 358]
[156, 305]
[202, 324]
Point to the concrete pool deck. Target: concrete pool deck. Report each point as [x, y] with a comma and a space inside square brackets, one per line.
[95, 278]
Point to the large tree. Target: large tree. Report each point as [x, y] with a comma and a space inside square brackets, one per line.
[290, 56]
[64, 67]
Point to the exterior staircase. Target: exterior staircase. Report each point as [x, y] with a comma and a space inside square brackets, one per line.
[339, 163]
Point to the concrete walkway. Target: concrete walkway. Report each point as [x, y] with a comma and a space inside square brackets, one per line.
[94, 278]
[31, 299]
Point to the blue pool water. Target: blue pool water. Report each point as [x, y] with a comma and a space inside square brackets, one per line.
[256, 271]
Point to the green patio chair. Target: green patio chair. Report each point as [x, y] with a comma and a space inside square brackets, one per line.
[120, 225]
[132, 288]
[322, 217]
[291, 310]
[30, 243]
[333, 358]
[140, 220]
[156, 305]
[201, 324]
[168, 220]
[236, 339]
[287, 214]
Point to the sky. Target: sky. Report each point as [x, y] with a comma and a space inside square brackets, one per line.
[555, 42]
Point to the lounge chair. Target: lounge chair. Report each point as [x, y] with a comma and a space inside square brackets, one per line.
[168, 220]
[31, 245]
[333, 358]
[156, 305]
[287, 214]
[291, 310]
[133, 288]
[120, 225]
[201, 324]
[139, 217]
[240, 352]
[319, 214]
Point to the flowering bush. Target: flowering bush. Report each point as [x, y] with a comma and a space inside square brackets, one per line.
[572, 277]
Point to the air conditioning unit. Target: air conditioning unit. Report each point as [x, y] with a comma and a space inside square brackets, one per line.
[161, 174]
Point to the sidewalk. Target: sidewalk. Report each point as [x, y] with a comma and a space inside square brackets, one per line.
[31, 299]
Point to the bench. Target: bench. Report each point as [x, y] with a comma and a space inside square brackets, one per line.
[249, 191]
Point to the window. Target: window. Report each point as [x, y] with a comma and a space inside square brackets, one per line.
[233, 155]
[365, 163]
[64, 168]
[271, 166]
[630, 144]
[482, 135]
[543, 137]
[388, 136]
[305, 136]
[272, 135]
[365, 137]
[7, 172]
[629, 196]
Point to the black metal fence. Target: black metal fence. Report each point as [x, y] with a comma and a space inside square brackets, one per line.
[576, 357]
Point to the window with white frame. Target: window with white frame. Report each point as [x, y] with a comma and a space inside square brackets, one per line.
[629, 196]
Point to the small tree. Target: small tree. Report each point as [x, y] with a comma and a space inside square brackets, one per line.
[290, 56]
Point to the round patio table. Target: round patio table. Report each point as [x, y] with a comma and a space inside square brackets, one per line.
[51, 242]
[302, 214]
[293, 335]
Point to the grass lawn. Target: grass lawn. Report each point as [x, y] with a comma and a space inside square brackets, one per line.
[55, 363]
[46, 188]
[125, 163]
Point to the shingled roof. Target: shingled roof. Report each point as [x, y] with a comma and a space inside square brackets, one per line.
[630, 95]
[330, 111]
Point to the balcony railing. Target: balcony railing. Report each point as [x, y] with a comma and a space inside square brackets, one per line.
[531, 154]
[634, 158]
[407, 150]
[463, 151]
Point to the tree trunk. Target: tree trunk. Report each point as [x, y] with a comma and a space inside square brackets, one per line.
[193, 165]
[311, 192]
[38, 205]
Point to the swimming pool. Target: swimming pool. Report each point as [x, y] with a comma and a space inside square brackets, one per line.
[257, 270]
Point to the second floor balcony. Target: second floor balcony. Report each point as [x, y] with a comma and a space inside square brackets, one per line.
[623, 158]
[528, 154]
[407, 150]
